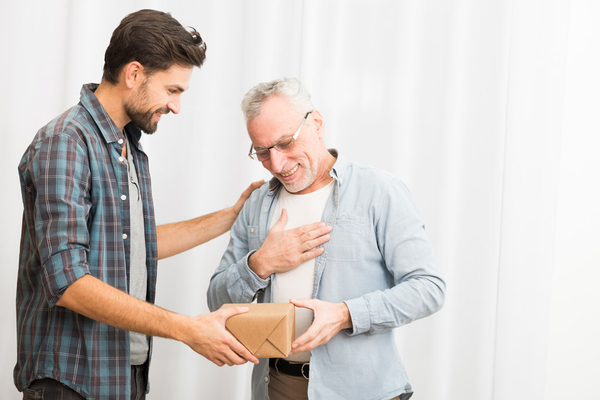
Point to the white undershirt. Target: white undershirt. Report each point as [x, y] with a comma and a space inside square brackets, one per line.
[138, 276]
[298, 283]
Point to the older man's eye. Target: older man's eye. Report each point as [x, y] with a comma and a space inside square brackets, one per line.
[263, 154]
[285, 145]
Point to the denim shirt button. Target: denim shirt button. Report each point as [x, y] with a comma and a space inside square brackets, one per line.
[266, 379]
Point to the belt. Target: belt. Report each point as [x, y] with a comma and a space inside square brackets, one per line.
[288, 368]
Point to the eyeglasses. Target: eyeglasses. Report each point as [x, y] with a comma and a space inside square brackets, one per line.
[284, 145]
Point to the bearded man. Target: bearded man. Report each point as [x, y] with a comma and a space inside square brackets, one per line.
[90, 245]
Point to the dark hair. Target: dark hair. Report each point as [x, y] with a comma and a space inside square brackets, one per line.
[154, 39]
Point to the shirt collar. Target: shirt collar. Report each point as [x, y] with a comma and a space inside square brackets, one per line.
[340, 168]
[108, 128]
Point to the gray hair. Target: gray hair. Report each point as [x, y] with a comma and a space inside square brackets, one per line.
[290, 89]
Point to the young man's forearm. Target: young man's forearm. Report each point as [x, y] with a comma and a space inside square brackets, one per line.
[178, 237]
[97, 300]
[205, 334]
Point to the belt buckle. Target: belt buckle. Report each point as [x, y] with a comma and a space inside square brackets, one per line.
[302, 370]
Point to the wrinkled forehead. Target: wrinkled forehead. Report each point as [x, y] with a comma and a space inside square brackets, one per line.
[277, 120]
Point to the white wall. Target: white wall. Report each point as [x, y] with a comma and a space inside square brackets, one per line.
[487, 110]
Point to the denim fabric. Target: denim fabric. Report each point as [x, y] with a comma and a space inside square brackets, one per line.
[379, 261]
[139, 381]
[49, 389]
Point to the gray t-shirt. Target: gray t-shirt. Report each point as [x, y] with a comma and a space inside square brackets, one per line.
[138, 275]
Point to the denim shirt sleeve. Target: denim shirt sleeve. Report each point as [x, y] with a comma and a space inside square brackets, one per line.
[418, 290]
[59, 171]
[234, 281]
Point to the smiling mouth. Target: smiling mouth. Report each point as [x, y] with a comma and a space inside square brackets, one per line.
[162, 111]
[289, 173]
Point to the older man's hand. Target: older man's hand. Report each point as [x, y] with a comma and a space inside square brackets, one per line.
[329, 319]
[285, 250]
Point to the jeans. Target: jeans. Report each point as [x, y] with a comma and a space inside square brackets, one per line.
[49, 389]
[138, 381]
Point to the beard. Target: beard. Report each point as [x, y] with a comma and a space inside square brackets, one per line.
[308, 177]
[137, 111]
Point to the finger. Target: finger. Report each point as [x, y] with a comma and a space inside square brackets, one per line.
[232, 358]
[304, 303]
[246, 193]
[282, 222]
[226, 313]
[242, 353]
[308, 346]
[310, 254]
[311, 244]
[254, 185]
[217, 361]
[312, 230]
[304, 341]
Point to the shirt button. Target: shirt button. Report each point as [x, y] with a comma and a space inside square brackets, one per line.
[123, 197]
[124, 236]
[121, 159]
[120, 141]
[251, 230]
[266, 379]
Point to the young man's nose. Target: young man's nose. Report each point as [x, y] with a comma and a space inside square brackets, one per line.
[174, 105]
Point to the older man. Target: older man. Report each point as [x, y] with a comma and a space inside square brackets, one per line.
[376, 272]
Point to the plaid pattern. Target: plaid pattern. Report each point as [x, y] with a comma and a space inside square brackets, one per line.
[74, 223]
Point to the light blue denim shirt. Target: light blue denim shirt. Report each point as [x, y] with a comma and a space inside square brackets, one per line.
[378, 261]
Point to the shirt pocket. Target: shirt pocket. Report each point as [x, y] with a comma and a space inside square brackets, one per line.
[347, 239]
[253, 237]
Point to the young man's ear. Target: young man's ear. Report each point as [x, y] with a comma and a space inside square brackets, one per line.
[133, 74]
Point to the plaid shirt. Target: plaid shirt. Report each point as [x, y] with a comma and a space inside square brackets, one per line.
[76, 222]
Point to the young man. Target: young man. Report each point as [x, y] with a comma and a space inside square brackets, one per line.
[377, 271]
[89, 246]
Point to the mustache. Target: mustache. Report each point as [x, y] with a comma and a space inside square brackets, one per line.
[163, 111]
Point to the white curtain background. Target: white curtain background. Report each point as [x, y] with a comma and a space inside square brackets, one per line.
[487, 110]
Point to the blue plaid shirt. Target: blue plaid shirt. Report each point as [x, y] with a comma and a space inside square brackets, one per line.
[76, 222]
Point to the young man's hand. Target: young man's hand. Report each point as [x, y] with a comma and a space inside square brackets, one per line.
[209, 338]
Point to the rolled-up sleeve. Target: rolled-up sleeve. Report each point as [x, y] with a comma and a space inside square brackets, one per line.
[60, 174]
[418, 289]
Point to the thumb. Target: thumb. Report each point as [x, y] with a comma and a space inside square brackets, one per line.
[231, 311]
[303, 303]
[253, 186]
[282, 222]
